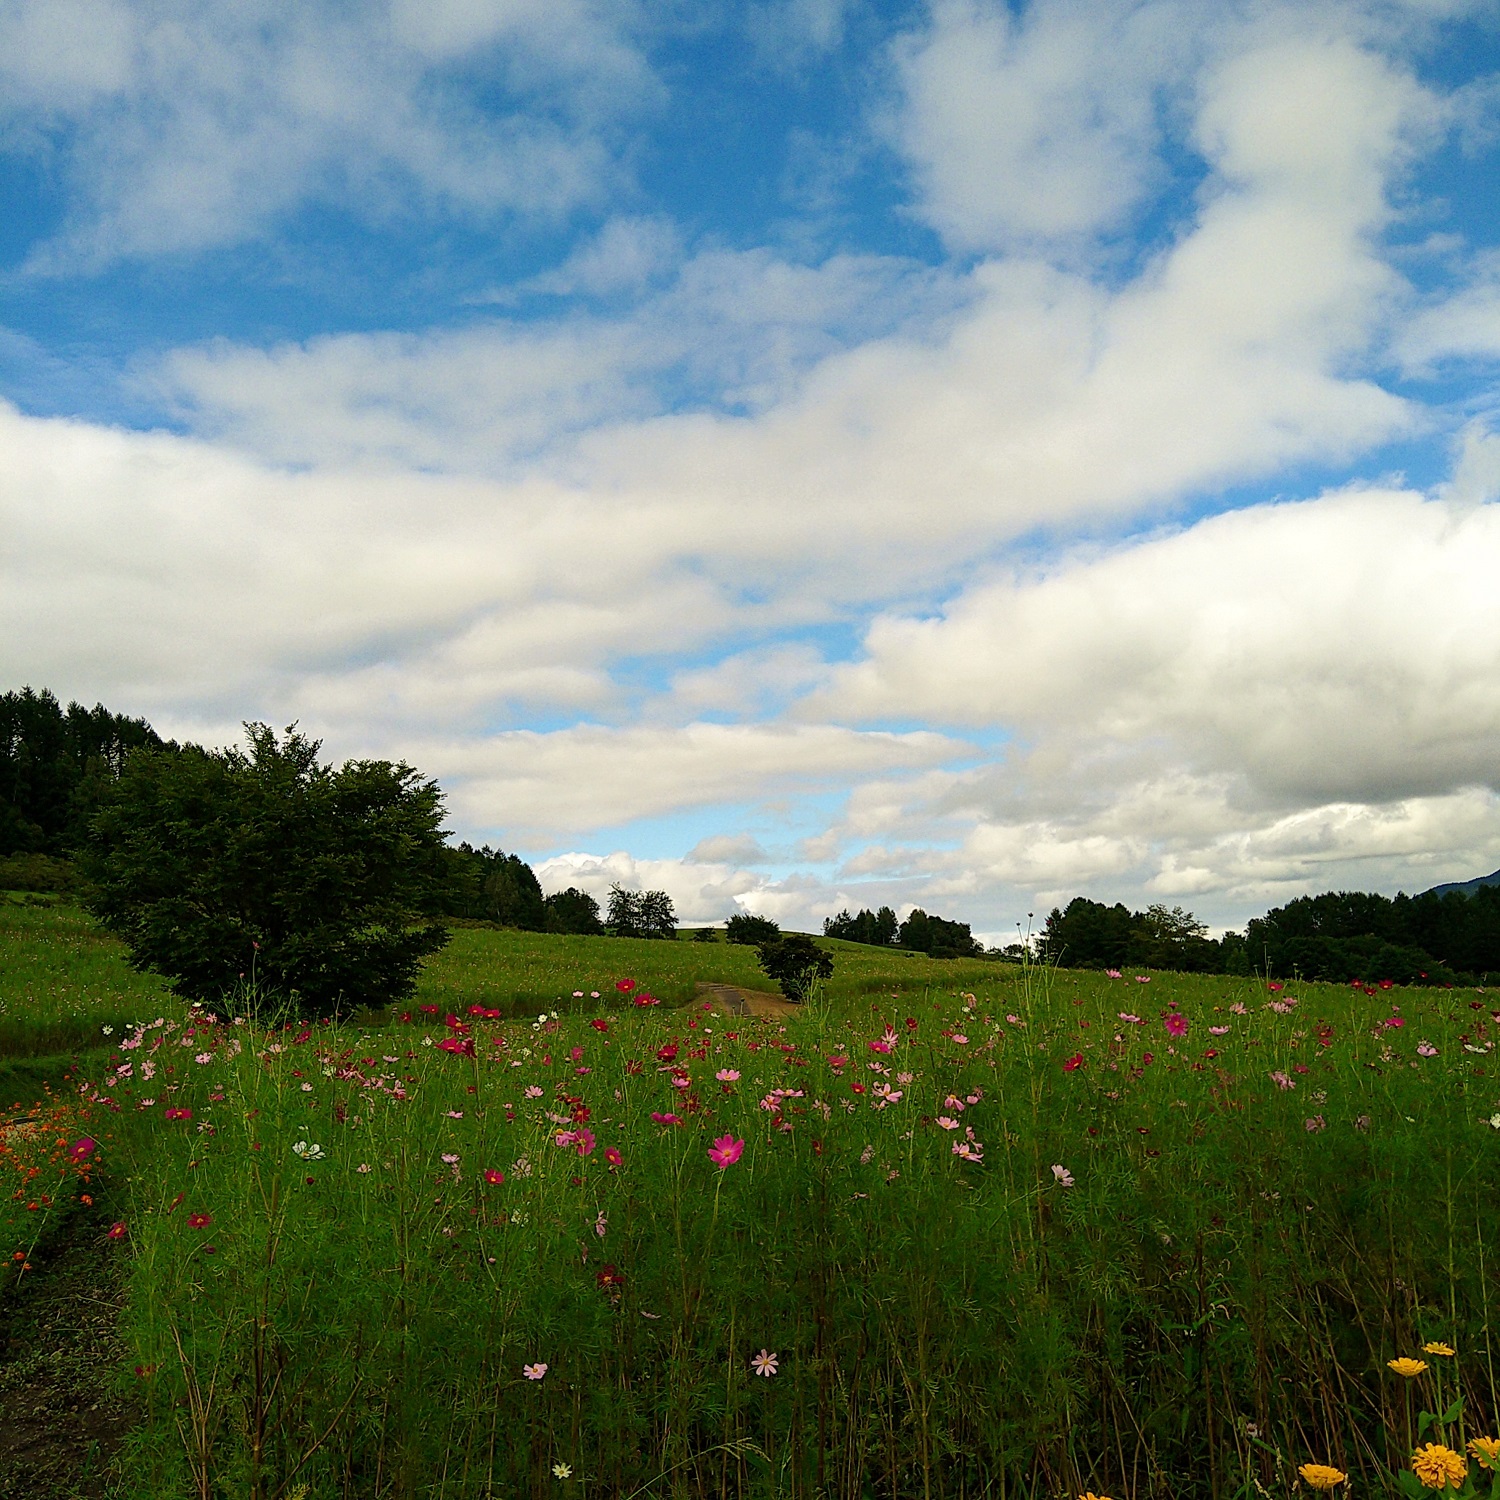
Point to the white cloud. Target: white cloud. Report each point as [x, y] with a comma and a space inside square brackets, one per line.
[194, 125]
[1037, 125]
[538, 786]
[728, 849]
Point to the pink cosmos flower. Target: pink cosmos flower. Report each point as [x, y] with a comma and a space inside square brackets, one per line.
[1063, 1176]
[725, 1151]
[1282, 1080]
[1071, 1064]
[1143, 979]
[624, 986]
[1426, 1049]
[1112, 974]
[450, 1159]
[534, 1372]
[1218, 1031]
[666, 1119]
[947, 1122]
[584, 1141]
[532, 1092]
[961, 1039]
[199, 1221]
[82, 1148]
[764, 1363]
[728, 1075]
[117, 1230]
[494, 1176]
[1176, 1025]
[612, 1156]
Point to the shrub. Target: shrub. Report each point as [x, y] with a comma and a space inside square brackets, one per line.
[795, 962]
[218, 868]
[751, 930]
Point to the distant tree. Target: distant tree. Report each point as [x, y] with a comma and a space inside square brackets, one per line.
[643, 914]
[658, 916]
[938, 936]
[743, 927]
[220, 866]
[878, 928]
[795, 962]
[513, 895]
[572, 911]
[625, 917]
[706, 935]
[53, 764]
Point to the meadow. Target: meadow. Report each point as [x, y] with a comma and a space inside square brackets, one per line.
[956, 1229]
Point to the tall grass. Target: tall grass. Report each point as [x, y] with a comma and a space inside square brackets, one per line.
[1011, 1244]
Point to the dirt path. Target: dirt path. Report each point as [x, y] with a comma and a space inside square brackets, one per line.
[736, 1000]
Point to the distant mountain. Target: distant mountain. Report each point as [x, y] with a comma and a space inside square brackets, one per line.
[1464, 887]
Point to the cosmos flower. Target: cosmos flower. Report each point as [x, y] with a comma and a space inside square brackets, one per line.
[765, 1363]
[534, 1372]
[725, 1151]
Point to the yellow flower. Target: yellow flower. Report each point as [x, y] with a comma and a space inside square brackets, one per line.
[1090, 1495]
[1442, 1349]
[1486, 1452]
[1321, 1476]
[1438, 1467]
[1407, 1367]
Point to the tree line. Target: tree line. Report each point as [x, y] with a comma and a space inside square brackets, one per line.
[1450, 937]
[937, 936]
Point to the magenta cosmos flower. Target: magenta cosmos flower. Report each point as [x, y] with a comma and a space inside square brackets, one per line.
[1176, 1025]
[725, 1151]
[82, 1148]
[662, 1119]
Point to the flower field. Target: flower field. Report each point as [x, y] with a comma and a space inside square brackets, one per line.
[1036, 1233]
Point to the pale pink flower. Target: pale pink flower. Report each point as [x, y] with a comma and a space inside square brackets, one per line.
[1426, 1049]
[728, 1075]
[533, 1091]
[947, 1122]
[961, 1039]
[1112, 974]
[1063, 1175]
[764, 1363]
[1131, 1020]
[1282, 1080]
[534, 1372]
[1218, 1031]
[450, 1158]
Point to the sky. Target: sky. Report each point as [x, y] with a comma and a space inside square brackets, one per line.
[794, 454]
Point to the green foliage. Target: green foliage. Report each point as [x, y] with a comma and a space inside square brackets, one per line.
[268, 870]
[877, 928]
[1339, 936]
[795, 962]
[572, 911]
[52, 763]
[1090, 935]
[37, 872]
[751, 930]
[937, 936]
[641, 914]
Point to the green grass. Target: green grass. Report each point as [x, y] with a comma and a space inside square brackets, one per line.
[522, 972]
[1210, 1303]
[62, 979]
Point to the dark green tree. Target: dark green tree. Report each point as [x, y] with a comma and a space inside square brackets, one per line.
[743, 927]
[878, 928]
[572, 911]
[53, 763]
[795, 962]
[219, 868]
[643, 914]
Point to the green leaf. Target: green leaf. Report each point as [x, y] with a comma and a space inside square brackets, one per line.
[1451, 1415]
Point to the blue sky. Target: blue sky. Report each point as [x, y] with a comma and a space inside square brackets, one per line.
[793, 453]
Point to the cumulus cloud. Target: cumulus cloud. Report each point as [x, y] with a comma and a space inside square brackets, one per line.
[1038, 123]
[538, 786]
[186, 126]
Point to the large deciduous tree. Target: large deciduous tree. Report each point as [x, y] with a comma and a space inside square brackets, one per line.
[267, 879]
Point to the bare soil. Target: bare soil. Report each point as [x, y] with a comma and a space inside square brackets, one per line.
[62, 1419]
